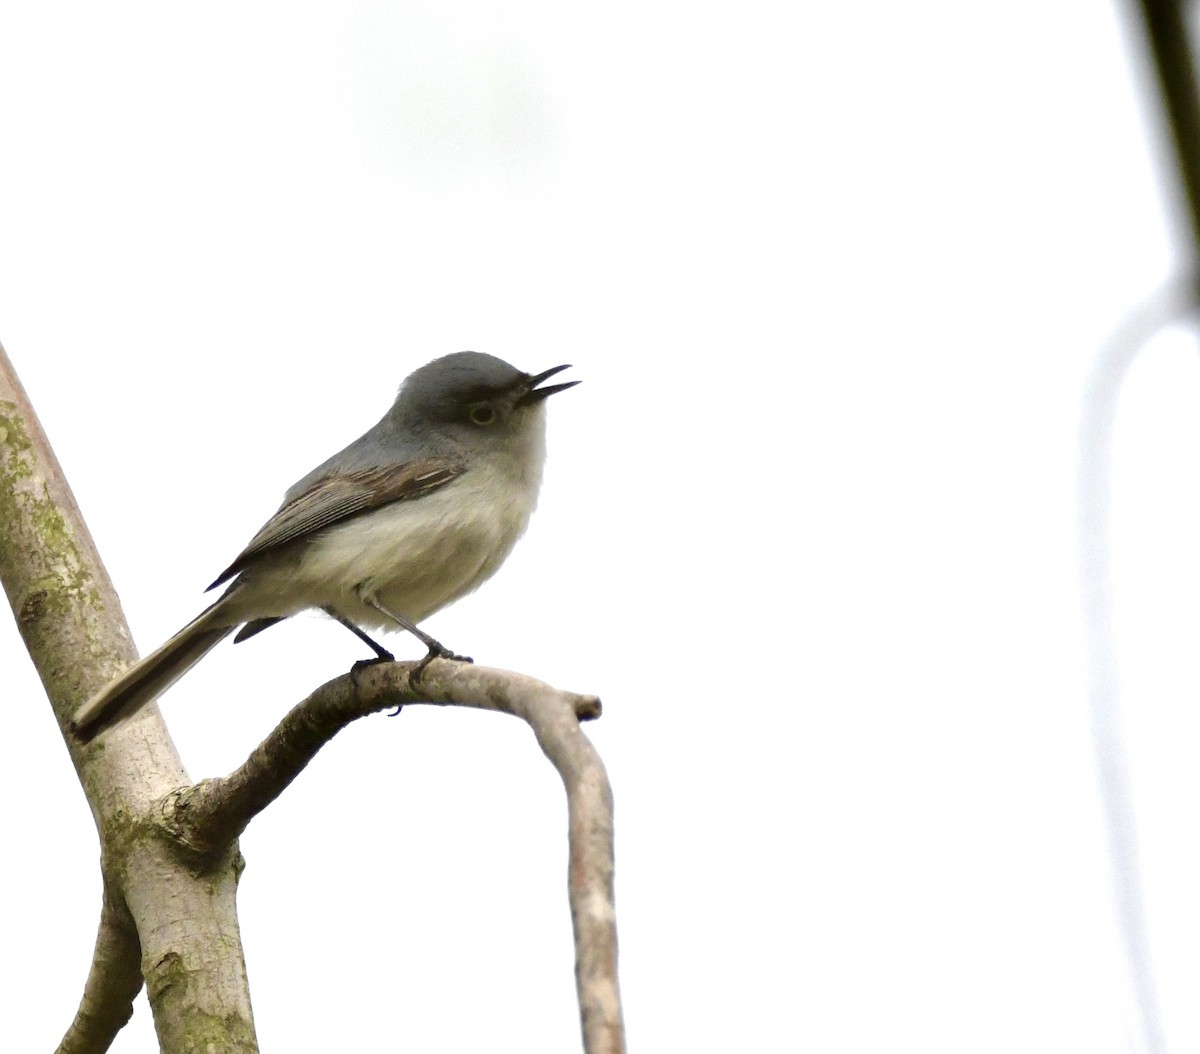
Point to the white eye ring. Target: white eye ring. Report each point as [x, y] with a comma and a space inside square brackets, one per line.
[482, 414]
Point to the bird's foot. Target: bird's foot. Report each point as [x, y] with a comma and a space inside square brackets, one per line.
[436, 651]
[375, 660]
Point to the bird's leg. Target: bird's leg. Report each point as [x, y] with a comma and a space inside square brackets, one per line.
[437, 650]
[381, 653]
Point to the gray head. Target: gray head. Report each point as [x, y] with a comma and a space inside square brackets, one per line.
[468, 400]
[474, 393]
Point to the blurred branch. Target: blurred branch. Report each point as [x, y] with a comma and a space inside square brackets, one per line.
[1171, 45]
[1100, 400]
[1169, 40]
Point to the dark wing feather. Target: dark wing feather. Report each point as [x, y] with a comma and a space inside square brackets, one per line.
[337, 497]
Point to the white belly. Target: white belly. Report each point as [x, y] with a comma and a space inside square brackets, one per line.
[414, 556]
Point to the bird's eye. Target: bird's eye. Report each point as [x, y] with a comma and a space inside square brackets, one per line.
[482, 414]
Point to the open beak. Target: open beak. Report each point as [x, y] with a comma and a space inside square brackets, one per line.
[534, 394]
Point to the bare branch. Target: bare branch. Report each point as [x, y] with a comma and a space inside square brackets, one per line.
[113, 982]
[208, 816]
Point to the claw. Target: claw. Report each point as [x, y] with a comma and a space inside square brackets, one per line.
[439, 652]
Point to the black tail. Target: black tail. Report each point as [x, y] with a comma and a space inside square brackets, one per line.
[153, 675]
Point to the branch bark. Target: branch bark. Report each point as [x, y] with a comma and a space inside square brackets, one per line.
[71, 621]
[113, 982]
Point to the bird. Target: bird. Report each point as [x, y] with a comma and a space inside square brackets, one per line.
[414, 514]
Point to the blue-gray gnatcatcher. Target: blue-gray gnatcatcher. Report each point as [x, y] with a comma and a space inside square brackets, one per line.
[411, 516]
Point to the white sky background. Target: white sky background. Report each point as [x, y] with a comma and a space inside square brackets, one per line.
[834, 278]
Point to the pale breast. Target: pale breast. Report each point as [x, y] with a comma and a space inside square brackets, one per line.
[415, 555]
